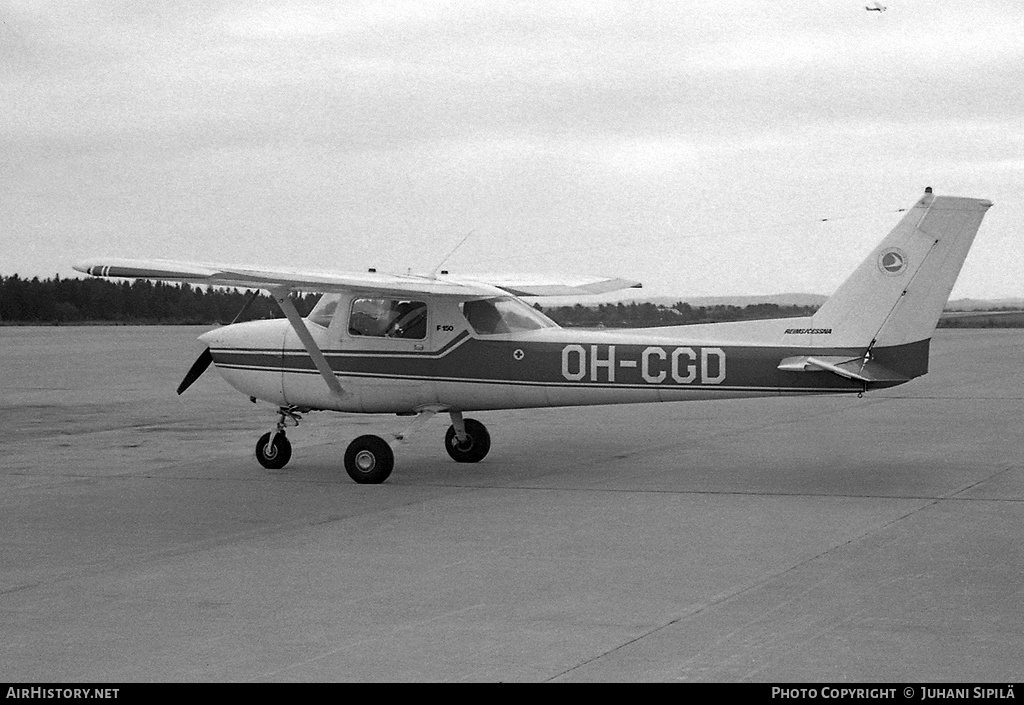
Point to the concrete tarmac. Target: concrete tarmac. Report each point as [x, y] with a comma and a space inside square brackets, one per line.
[828, 539]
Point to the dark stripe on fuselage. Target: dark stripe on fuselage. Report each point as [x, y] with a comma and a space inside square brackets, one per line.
[548, 364]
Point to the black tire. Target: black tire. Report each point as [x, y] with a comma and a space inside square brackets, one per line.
[478, 443]
[369, 460]
[277, 455]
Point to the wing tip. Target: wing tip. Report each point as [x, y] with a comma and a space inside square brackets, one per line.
[143, 269]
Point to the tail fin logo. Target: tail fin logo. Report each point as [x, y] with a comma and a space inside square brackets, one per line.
[893, 261]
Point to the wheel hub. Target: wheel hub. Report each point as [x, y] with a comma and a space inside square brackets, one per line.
[365, 461]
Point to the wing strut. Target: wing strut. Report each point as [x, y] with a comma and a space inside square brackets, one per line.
[283, 297]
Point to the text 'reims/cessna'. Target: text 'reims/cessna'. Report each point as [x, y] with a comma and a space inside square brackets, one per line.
[420, 345]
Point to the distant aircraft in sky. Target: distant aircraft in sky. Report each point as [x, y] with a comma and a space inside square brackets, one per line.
[423, 345]
[876, 7]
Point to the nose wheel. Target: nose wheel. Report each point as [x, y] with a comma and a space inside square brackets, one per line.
[273, 450]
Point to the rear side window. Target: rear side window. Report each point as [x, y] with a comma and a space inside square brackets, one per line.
[388, 318]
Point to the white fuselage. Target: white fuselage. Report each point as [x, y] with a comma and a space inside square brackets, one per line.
[455, 368]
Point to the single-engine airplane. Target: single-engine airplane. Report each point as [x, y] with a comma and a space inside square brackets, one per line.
[422, 345]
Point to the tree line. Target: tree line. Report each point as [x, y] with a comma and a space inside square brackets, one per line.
[73, 301]
[59, 301]
[70, 301]
[639, 315]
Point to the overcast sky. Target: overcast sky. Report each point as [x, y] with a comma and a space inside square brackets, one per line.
[694, 146]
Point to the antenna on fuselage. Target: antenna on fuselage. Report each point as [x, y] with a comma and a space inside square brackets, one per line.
[433, 275]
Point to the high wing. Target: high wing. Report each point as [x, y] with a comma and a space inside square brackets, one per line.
[275, 279]
[280, 283]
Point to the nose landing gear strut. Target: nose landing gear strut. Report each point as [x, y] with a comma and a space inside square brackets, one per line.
[273, 449]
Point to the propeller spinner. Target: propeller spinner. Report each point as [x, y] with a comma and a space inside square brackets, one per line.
[206, 357]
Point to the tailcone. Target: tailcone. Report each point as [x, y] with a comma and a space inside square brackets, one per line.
[909, 359]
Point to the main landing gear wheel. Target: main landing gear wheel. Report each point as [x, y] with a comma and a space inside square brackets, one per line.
[276, 455]
[369, 460]
[474, 448]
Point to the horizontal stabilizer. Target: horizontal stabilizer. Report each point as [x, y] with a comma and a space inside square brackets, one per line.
[851, 368]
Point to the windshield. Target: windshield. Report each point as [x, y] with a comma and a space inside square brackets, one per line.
[503, 315]
[324, 310]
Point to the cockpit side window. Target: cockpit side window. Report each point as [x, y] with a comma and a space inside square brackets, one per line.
[388, 318]
[503, 315]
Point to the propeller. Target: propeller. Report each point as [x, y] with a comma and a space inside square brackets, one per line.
[206, 357]
[197, 369]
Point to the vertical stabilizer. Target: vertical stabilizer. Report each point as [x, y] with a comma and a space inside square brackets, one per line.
[897, 294]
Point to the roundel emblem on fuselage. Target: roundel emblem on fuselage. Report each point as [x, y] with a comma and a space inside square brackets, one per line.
[893, 261]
